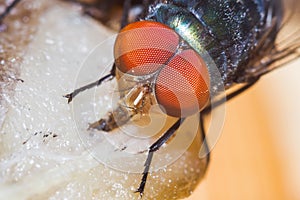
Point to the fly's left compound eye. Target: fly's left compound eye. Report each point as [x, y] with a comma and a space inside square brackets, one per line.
[182, 87]
[141, 48]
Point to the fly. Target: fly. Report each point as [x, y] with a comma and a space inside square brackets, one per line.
[239, 36]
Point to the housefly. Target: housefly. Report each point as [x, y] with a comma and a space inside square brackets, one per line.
[239, 36]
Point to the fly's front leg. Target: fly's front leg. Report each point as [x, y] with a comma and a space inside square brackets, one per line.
[112, 74]
[109, 76]
[153, 148]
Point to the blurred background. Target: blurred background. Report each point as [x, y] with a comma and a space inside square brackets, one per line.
[257, 156]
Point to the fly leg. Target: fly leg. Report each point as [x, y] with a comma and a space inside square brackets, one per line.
[8, 9]
[208, 110]
[216, 104]
[109, 76]
[99, 10]
[124, 22]
[125, 13]
[143, 14]
[153, 148]
[231, 95]
[126, 9]
[203, 137]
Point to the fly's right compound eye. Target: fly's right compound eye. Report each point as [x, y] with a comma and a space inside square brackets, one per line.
[182, 87]
[141, 48]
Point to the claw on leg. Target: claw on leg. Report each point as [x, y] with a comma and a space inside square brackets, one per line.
[71, 95]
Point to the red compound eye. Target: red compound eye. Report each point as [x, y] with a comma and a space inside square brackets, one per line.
[142, 47]
[182, 87]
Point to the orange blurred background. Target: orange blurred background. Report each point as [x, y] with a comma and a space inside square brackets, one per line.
[258, 154]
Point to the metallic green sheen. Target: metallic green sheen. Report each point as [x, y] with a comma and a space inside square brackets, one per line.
[186, 25]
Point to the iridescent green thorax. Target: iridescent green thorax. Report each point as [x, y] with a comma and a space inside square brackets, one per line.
[185, 24]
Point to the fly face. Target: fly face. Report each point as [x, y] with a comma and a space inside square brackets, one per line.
[136, 99]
